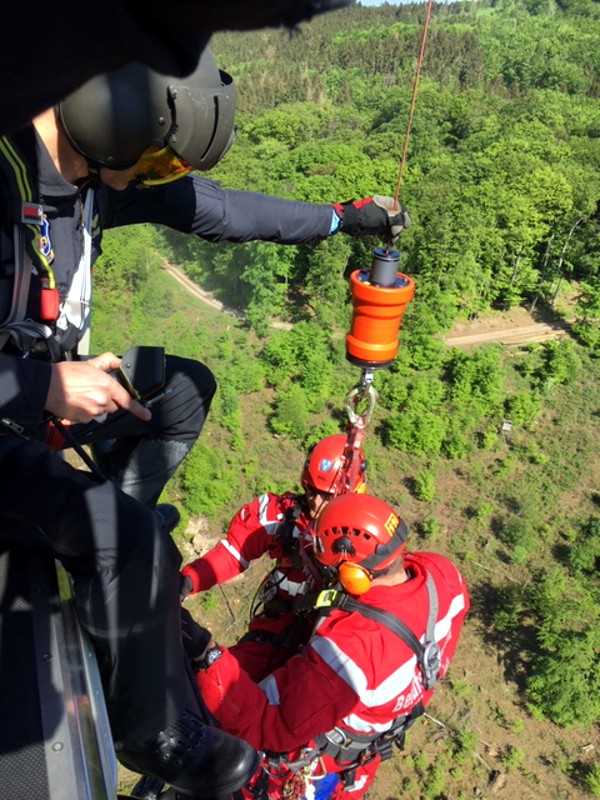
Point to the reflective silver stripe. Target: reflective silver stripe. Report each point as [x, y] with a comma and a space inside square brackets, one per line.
[235, 553]
[263, 502]
[434, 607]
[270, 525]
[270, 690]
[293, 588]
[396, 683]
[363, 726]
[442, 628]
[352, 674]
[357, 785]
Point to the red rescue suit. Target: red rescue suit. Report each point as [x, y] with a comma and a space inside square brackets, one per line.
[276, 525]
[354, 673]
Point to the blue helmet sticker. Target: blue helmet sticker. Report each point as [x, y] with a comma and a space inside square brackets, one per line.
[325, 465]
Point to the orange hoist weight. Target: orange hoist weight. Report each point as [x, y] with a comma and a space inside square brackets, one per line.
[380, 297]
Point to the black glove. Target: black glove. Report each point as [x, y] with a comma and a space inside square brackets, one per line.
[373, 216]
[195, 638]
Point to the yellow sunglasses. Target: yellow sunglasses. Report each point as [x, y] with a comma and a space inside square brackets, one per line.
[158, 166]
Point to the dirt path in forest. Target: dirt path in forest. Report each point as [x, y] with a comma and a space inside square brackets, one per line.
[207, 298]
[515, 327]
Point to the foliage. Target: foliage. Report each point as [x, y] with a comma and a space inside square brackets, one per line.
[425, 486]
[565, 677]
[588, 314]
[519, 536]
[443, 409]
[512, 757]
[416, 431]
[592, 780]
[129, 256]
[429, 528]
[465, 745]
[303, 354]
[584, 555]
[522, 409]
[291, 413]
[503, 177]
[208, 479]
[327, 428]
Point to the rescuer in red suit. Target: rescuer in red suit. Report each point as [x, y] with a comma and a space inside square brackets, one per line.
[387, 634]
[280, 526]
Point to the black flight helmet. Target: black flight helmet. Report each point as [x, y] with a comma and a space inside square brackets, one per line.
[113, 118]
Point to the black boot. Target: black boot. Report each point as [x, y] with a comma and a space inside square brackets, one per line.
[148, 788]
[196, 759]
[169, 516]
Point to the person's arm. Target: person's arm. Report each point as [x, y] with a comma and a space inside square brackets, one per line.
[248, 537]
[200, 206]
[299, 701]
[72, 390]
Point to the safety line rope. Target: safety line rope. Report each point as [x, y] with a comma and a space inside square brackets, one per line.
[413, 101]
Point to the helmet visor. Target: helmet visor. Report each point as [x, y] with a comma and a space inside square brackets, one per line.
[158, 166]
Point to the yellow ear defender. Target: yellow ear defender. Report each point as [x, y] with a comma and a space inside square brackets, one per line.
[354, 578]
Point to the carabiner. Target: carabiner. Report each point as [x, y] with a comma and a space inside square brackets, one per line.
[365, 392]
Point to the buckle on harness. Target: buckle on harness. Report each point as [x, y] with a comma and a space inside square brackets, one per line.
[32, 214]
[328, 598]
[432, 662]
[338, 737]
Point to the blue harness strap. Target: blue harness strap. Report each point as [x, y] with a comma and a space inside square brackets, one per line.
[325, 787]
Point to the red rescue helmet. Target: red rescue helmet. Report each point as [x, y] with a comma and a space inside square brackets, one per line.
[324, 462]
[361, 536]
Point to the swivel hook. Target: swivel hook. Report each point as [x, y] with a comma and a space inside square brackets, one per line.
[361, 401]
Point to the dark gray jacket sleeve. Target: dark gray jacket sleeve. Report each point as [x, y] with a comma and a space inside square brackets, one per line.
[24, 387]
[199, 206]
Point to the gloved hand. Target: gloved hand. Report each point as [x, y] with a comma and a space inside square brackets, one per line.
[373, 216]
[196, 639]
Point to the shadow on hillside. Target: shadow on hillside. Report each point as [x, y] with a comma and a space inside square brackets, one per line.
[546, 314]
[502, 625]
[410, 484]
[561, 553]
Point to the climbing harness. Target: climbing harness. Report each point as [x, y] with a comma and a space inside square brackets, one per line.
[427, 653]
[354, 750]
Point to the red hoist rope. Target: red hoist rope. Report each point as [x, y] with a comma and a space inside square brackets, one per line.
[413, 100]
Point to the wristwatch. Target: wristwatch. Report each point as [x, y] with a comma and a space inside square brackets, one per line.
[209, 658]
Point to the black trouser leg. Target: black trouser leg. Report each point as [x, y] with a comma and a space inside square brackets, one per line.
[126, 579]
[141, 456]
